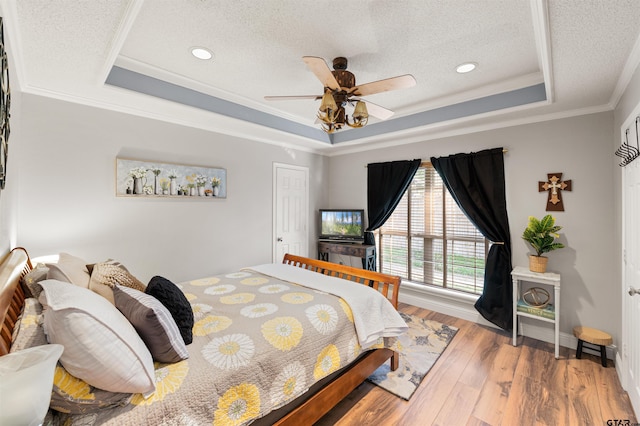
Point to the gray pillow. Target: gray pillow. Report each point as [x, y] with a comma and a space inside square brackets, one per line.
[153, 322]
[31, 280]
[28, 331]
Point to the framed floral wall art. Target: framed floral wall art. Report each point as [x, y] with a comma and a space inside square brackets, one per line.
[139, 178]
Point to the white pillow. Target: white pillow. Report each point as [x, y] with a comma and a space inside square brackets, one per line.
[69, 269]
[101, 347]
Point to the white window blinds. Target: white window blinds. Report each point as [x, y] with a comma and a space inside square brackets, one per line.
[429, 240]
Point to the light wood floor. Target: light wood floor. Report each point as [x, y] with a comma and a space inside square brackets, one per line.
[481, 379]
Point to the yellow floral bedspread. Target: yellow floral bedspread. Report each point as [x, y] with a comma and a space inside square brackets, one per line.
[258, 343]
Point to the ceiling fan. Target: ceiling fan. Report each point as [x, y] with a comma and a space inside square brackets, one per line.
[340, 90]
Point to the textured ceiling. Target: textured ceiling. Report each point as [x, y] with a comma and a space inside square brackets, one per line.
[536, 58]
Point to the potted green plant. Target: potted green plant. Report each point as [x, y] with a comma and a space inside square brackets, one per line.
[541, 234]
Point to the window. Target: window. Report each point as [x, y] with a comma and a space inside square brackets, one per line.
[429, 240]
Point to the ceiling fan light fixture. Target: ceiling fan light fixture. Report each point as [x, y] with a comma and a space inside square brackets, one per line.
[466, 67]
[328, 112]
[340, 90]
[361, 110]
[328, 103]
[201, 53]
[329, 117]
[357, 123]
[329, 127]
[360, 115]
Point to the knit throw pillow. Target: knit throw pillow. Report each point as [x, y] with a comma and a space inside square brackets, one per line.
[106, 275]
[176, 302]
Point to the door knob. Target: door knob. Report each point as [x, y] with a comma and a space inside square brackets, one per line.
[279, 239]
[633, 291]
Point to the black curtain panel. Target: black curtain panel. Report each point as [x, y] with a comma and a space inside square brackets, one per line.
[476, 181]
[386, 184]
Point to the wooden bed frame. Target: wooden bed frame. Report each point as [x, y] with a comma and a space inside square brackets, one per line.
[13, 267]
[17, 263]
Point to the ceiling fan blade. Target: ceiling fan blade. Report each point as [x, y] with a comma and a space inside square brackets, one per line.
[291, 98]
[376, 110]
[393, 83]
[320, 68]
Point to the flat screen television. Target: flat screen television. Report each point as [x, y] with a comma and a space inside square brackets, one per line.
[342, 225]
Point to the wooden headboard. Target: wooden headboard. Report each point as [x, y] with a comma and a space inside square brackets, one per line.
[388, 285]
[13, 267]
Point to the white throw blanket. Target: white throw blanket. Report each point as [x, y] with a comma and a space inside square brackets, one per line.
[373, 315]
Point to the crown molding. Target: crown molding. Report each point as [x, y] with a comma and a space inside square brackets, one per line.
[630, 67]
[542, 35]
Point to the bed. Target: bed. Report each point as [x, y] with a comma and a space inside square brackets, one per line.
[261, 286]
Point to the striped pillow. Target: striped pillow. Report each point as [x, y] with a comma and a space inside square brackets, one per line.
[153, 322]
[101, 347]
[69, 394]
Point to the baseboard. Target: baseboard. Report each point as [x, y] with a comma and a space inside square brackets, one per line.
[619, 369]
[456, 308]
[463, 308]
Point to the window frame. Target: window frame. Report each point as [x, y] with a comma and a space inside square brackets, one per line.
[428, 238]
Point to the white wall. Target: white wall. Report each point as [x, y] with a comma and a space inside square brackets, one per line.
[580, 148]
[67, 196]
[8, 196]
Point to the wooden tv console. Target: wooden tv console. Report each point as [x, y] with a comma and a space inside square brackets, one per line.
[365, 252]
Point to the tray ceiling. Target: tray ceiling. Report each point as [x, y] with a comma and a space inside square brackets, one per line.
[535, 58]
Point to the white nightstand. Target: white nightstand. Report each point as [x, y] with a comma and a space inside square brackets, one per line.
[521, 273]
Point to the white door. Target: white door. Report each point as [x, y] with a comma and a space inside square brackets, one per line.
[291, 211]
[631, 282]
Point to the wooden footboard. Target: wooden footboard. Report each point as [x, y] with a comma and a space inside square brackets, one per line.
[326, 398]
[388, 285]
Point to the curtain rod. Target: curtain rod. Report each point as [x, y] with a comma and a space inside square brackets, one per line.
[424, 163]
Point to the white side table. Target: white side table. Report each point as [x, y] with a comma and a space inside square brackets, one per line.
[521, 273]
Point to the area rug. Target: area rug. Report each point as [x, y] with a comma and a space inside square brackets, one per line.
[420, 347]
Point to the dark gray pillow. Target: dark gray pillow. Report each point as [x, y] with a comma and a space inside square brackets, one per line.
[153, 322]
[176, 302]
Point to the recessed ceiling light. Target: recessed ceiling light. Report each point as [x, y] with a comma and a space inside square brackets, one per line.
[466, 67]
[201, 53]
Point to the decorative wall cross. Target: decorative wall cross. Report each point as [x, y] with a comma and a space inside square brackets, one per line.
[554, 186]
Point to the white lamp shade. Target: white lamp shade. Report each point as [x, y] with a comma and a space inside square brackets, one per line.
[26, 380]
